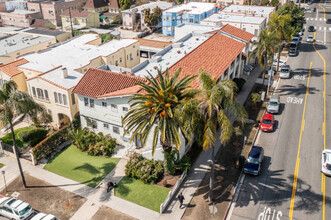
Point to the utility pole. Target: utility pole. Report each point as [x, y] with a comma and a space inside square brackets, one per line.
[72, 30]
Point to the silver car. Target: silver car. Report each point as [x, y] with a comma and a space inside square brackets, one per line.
[273, 105]
[285, 72]
[13, 208]
[43, 216]
[310, 39]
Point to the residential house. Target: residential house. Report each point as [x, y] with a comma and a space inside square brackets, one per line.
[114, 6]
[16, 4]
[10, 71]
[108, 17]
[79, 19]
[35, 5]
[192, 12]
[251, 24]
[14, 45]
[60, 36]
[53, 90]
[150, 47]
[98, 6]
[19, 18]
[3, 6]
[52, 10]
[134, 17]
[249, 10]
[42, 23]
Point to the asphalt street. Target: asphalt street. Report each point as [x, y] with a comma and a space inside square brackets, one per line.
[291, 185]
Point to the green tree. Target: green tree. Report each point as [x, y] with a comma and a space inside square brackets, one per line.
[125, 4]
[213, 107]
[264, 49]
[297, 14]
[274, 3]
[152, 19]
[264, 2]
[281, 26]
[77, 135]
[153, 110]
[255, 98]
[12, 104]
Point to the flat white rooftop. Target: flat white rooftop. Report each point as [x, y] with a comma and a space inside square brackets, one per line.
[170, 55]
[249, 8]
[234, 18]
[22, 12]
[14, 42]
[185, 29]
[56, 76]
[192, 8]
[10, 29]
[163, 5]
[73, 53]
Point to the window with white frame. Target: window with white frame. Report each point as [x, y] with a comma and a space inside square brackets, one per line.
[94, 124]
[92, 103]
[116, 130]
[40, 93]
[55, 98]
[104, 104]
[73, 98]
[114, 108]
[125, 109]
[86, 101]
[46, 94]
[59, 98]
[33, 91]
[106, 125]
[65, 99]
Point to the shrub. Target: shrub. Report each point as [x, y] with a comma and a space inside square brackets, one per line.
[174, 164]
[239, 82]
[138, 167]
[34, 136]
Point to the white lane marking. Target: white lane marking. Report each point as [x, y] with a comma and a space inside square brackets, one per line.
[324, 19]
[320, 19]
[294, 100]
[316, 19]
[300, 77]
[320, 28]
[267, 213]
[329, 28]
[324, 28]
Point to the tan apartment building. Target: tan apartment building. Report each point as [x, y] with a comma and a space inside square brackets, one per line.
[19, 18]
[52, 10]
[79, 19]
[10, 71]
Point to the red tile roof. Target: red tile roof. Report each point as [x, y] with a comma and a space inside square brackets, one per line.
[11, 68]
[214, 56]
[76, 13]
[103, 83]
[237, 32]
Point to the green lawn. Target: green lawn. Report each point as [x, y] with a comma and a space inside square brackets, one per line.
[76, 165]
[1, 165]
[9, 140]
[147, 195]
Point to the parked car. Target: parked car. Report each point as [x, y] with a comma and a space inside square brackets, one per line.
[311, 29]
[281, 63]
[301, 33]
[13, 208]
[310, 39]
[307, 8]
[310, 2]
[296, 40]
[254, 161]
[267, 123]
[285, 72]
[328, 21]
[293, 51]
[297, 35]
[326, 162]
[43, 216]
[273, 105]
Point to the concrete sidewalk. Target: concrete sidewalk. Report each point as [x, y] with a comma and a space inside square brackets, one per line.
[96, 197]
[202, 164]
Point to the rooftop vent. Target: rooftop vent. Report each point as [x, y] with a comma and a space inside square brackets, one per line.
[64, 72]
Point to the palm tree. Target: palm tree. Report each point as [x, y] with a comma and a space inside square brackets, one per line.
[264, 49]
[152, 111]
[281, 26]
[12, 104]
[213, 107]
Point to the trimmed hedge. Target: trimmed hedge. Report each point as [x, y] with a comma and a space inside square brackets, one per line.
[33, 136]
[138, 167]
[46, 147]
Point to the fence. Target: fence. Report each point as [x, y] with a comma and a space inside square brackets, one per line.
[7, 149]
[173, 191]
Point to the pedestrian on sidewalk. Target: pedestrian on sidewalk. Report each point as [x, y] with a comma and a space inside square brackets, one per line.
[110, 186]
[181, 199]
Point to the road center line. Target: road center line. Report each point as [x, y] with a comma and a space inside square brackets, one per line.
[319, 4]
[324, 121]
[297, 164]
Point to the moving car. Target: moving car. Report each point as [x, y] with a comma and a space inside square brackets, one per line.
[310, 39]
[13, 208]
[273, 105]
[296, 40]
[43, 216]
[285, 72]
[328, 21]
[293, 51]
[326, 162]
[267, 123]
[311, 29]
[254, 161]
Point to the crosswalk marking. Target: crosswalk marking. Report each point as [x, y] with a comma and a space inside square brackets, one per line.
[320, 19]
[324, 28]
[329, 28]
[320, 28]
[324, 19]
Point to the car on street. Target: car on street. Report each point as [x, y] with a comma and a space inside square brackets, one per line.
[273, 105]
[307, 8]
[311, 29]
[254, 161]
[310, 39]
[43, 216]
[13, 208]
[293, 51]
[285, 72]
[326, 162]
[310, 2]
[301, 33]
[296, 40]
[281, 63]
[298, 35]
[267, 123]
[328, 21]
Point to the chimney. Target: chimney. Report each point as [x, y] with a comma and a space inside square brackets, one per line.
[64, 72]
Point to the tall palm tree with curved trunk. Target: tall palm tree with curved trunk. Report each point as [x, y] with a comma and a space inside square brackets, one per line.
[152, 111]
[264, 49]
[12, 104]
[214, 107]
[280, 25]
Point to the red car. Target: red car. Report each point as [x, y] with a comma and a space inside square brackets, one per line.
[267, 123]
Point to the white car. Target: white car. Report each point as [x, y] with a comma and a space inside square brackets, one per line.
[13, 208]
[281, 63]
[43, 216]
[307, 8]
[310, 39]
[285, 72]
[326, 162]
